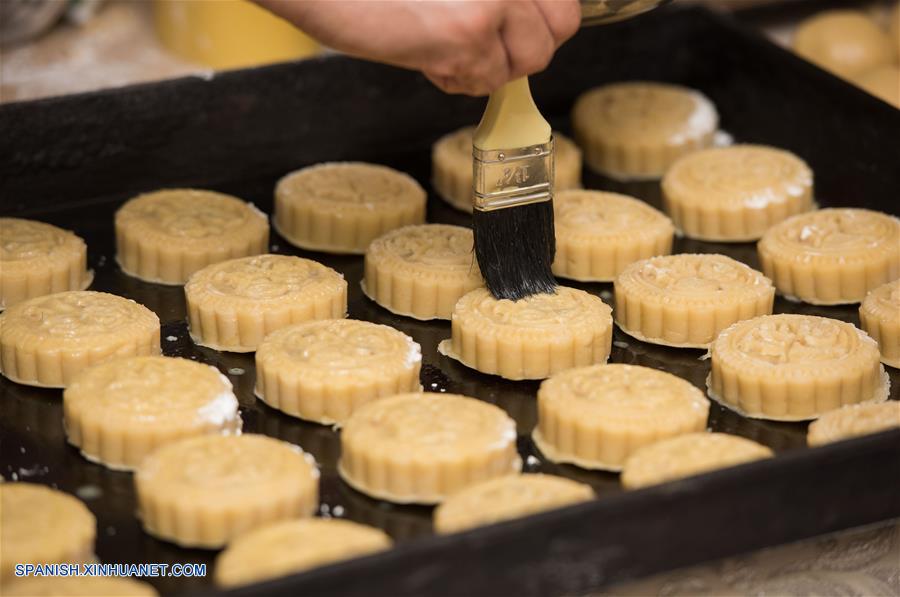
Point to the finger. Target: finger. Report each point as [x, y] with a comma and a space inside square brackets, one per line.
[489, 70]
[527, 38]
[443, 83]
[563, 18]
[473, 58]
[460, 85]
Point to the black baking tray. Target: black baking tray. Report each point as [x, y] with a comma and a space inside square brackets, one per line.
[71, 161]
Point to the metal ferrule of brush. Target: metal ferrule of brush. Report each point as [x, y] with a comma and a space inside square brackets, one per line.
[511, 177]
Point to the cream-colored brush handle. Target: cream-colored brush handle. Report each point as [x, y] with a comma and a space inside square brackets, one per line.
[511, 119]
[512, 151]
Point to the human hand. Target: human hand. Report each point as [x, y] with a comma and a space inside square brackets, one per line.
[462, 46]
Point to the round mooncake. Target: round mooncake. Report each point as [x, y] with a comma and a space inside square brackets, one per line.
[38, 259]
[118, 412]
[293, 546]
[167, 235]
[845, 42]
[422, 447]
[734, 194]
[686, 300]
[47, 340]
[832, 256]
[421, 271]
[532, 338]
[794, 367]
[506, 498]
[853, 420]
[598, 234]
[879, 316]
[233, 305]
[636, 130]
[205, 491]
[596, 417]
[342, 207]
[39, 525]
[322, 371]
[688, 455]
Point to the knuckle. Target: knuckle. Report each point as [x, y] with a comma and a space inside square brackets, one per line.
[453, 65]
[568, 25]
[440, 69]
[446, 84]
[479, 23]
[532, 62]
[543, 59]
[563, 19]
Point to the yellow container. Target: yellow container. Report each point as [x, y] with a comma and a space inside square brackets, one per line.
[228, 33]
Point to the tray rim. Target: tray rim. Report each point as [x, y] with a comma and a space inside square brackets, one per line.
[483, 540]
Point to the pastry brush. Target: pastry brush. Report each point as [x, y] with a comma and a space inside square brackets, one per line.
[513, 179]
[513, 205]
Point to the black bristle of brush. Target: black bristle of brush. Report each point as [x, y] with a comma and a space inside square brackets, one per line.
[515, 247]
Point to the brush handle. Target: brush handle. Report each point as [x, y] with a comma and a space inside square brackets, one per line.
[511, 119]
[601, 12]
[512, 151]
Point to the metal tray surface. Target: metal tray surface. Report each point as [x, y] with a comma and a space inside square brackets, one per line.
[72, 161]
